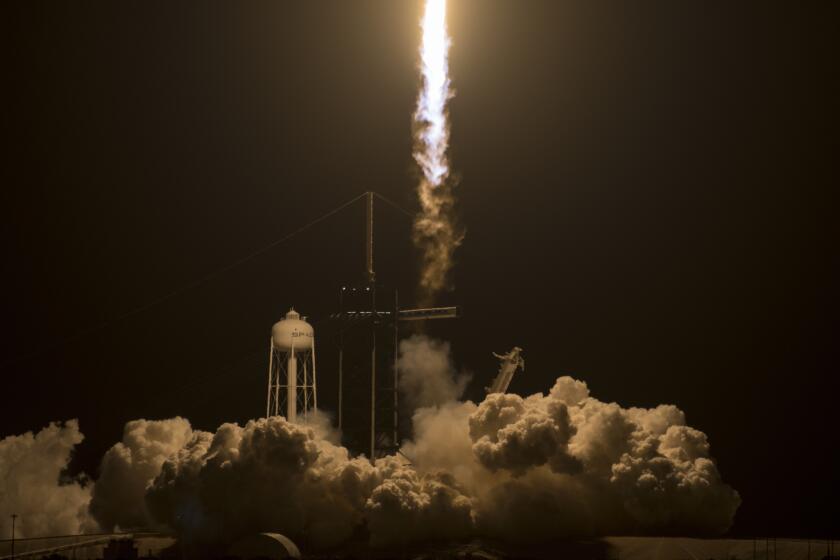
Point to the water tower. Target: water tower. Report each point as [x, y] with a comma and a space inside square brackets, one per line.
[292, 384]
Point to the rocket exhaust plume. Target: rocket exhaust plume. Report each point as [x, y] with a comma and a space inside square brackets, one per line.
[436, 233]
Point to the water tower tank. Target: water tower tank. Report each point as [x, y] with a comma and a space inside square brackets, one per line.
[292, 331]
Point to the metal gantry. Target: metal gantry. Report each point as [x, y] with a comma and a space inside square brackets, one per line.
[368, 324]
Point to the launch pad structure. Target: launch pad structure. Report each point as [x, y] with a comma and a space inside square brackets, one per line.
[367, 330]
[368, 327]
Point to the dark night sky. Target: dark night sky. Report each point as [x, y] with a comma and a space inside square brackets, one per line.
[646, 189]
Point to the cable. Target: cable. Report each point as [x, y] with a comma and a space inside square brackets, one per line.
[394, 205]
[207, 379]
[145, 307]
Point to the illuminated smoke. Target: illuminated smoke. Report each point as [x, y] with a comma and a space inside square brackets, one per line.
[427, 374]
[34, 484]
[130, 466]
[520, 469]
[532, 469]
[435, 230]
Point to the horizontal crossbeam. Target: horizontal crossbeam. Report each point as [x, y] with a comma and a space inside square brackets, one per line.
[429, 313]
[421, 314]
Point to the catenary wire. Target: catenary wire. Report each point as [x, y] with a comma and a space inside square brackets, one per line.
[192, 285]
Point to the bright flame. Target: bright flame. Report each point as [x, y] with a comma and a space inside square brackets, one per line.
[431, 106]
[435, 232]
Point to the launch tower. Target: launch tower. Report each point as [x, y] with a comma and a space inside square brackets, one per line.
[368, 323]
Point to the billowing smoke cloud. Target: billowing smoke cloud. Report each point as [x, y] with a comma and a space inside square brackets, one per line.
[548, 466]
[521, 469]
[427, 374]
[594, 468]
[33, 483]
[516, 434]
[130, 466]
[272, 475]
[436, 232]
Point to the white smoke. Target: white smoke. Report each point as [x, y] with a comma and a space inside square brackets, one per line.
[130, 466]
[272, 475]
[533, 469]
[516, 434]
[521, 469]
[614, 470]
[427, 374]
[33, 483]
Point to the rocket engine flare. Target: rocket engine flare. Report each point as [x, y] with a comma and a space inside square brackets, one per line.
[435, 231]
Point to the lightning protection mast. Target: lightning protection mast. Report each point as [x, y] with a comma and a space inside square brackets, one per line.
[368, 345]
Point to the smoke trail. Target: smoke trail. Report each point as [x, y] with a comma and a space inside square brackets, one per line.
[435, 232]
